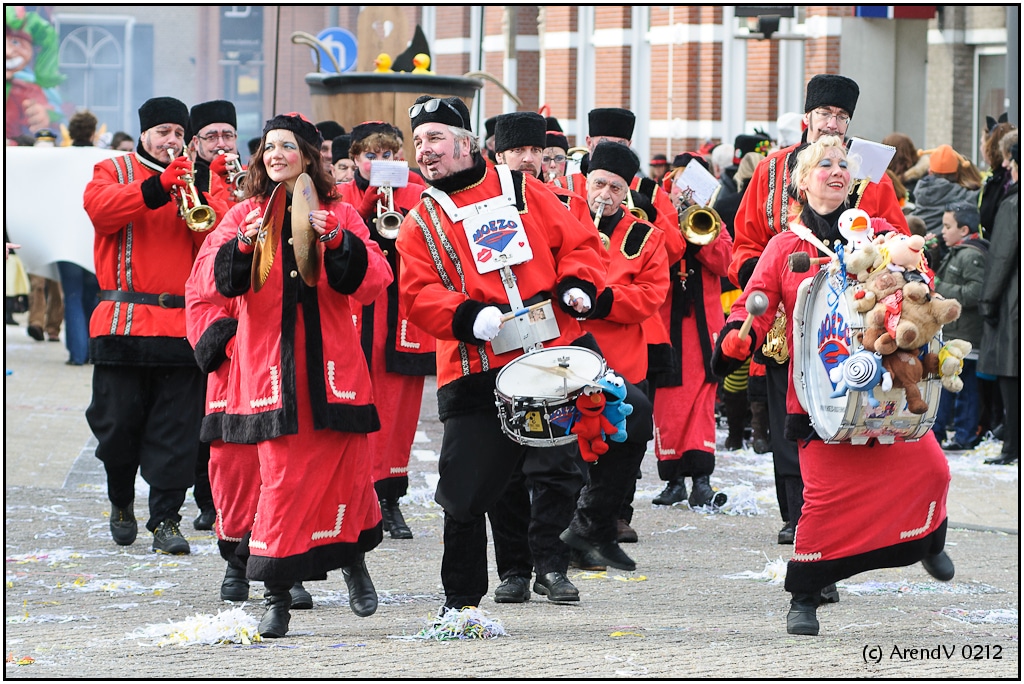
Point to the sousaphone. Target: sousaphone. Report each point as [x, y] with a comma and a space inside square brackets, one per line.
[309, 251]
[268, 237]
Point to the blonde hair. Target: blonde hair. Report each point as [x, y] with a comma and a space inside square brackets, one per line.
[808, 159]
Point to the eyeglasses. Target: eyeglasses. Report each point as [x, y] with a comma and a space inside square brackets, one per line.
[431, 106]
[559, 159]
[211, 137]
[826, 115]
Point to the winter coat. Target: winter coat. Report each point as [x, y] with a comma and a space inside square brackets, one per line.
[1000, 296]
[960, 276]
[931, 196]
[992, 193]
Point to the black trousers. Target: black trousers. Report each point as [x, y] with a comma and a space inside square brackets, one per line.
[202, 492]
[147, 418]
[535, 508]
[785, 456]
[1010, 389]
[613, 476]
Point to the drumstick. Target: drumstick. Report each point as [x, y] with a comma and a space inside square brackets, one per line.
[561, 372]
[804, 233]
[757, 304]
[515, 314]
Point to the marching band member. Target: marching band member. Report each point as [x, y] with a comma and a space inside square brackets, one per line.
[556, 146]
[398, 353]
[147, 392]
[451, 292]
[526, 527]
[865, 507]
[763, 212]
[344, 167]
[636, 285]
[297, 391]
[684, 406]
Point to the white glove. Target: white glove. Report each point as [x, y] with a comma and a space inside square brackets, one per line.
[577, 299]
[487, 323]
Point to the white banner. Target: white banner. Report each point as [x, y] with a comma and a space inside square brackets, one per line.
[43, 211]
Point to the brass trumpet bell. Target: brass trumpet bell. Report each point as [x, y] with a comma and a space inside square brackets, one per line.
[633, 209]
[700, 225]
[388, 220]
[199, 217]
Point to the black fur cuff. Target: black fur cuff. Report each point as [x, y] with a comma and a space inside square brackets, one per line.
[565, 285]
[346, 266]
[722, 365]
[153, 194]
[745, 271]
[463, 320]
[232, 270]
[210, 349]
[603, 306]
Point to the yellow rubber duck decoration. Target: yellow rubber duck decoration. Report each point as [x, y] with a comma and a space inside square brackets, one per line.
[421, 64]
[382, 64]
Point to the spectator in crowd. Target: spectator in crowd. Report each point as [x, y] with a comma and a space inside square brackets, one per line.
[1000, 306]
[122, 142]
[906, 165]
[45, 301]
[80, 285]
[659, 167]
[940, 188]
[960, 276]
[998, 182]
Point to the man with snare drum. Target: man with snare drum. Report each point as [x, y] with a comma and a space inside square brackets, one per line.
[482, 242]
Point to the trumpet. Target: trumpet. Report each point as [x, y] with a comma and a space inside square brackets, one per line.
[198, 217]
[576, 153]
[633, 209]
[605, 240]
[388, 220]
[236, 177]
[700, 225]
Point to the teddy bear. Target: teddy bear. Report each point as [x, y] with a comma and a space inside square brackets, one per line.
[590, 425]
[615, 408]
[951, 363]
[907, 370]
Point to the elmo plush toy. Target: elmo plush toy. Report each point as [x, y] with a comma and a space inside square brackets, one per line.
[591, 426]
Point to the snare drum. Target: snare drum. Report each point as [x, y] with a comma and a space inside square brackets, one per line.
[536, 393]
[826, 330]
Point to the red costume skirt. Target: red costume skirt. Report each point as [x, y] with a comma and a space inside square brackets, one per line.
[867, 507]
[317, 510]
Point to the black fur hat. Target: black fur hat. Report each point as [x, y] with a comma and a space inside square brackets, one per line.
[450, 110]
[555, 136]
[297, 124]
[613, 122]
[745, 143]
[339, 147]
[330, 129]
[162, 110]
[832, 90]
[519, 129]
[615, 158]
[215, 111]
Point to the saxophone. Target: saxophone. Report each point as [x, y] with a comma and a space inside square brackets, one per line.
[775, 346]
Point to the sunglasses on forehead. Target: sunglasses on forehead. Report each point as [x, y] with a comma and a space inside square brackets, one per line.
[431, 106]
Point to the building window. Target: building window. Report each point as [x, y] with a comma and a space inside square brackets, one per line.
[92, 56]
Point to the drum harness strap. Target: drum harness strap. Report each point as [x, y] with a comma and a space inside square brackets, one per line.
[507, 198]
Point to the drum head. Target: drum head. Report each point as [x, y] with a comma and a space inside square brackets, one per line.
[550, 373]
[268, 237]
[305, 241]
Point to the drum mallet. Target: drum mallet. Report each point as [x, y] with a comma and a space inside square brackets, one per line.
[801, 262]
[757, 304]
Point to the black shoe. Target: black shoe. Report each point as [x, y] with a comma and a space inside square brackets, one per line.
[624, 534]
[607, 553]
[674, 492]
[167, 539]
[557, 587]
[205, 520]
[802, 618]
[953, 445]
[393, 520]
[235, 586]
[274, 624]
[761, 445]
[703, 495]
[1002, 459]
[939, 566]
[36, 333]
[997, 432]
[123, 526]
[830, 594]
[734, 442]
[787, 535]
[301, 600]
[513, 589]
[584, 560]
[362, 597]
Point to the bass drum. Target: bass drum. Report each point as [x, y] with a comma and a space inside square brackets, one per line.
[826, 331]
[536, 393]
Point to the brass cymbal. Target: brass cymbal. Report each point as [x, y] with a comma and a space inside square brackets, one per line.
[309, 251]
[268, 237]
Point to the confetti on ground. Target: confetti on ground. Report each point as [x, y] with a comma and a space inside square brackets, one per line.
[47, 618]
[744, 499]
[233, 626]
[1000, 616]
[876, 588]
[468, 623]
[617, 635]
[774, 573]
[116, 586]
[636, 669]
[19, 660]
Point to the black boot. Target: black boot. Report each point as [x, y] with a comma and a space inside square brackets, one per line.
[235, 586]
[674, 492]
[735, 405]
[701, 494]
[362, 597]
[802, 618]
[759, 425]
[275, 621]
[393, 521]
[795, 502]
